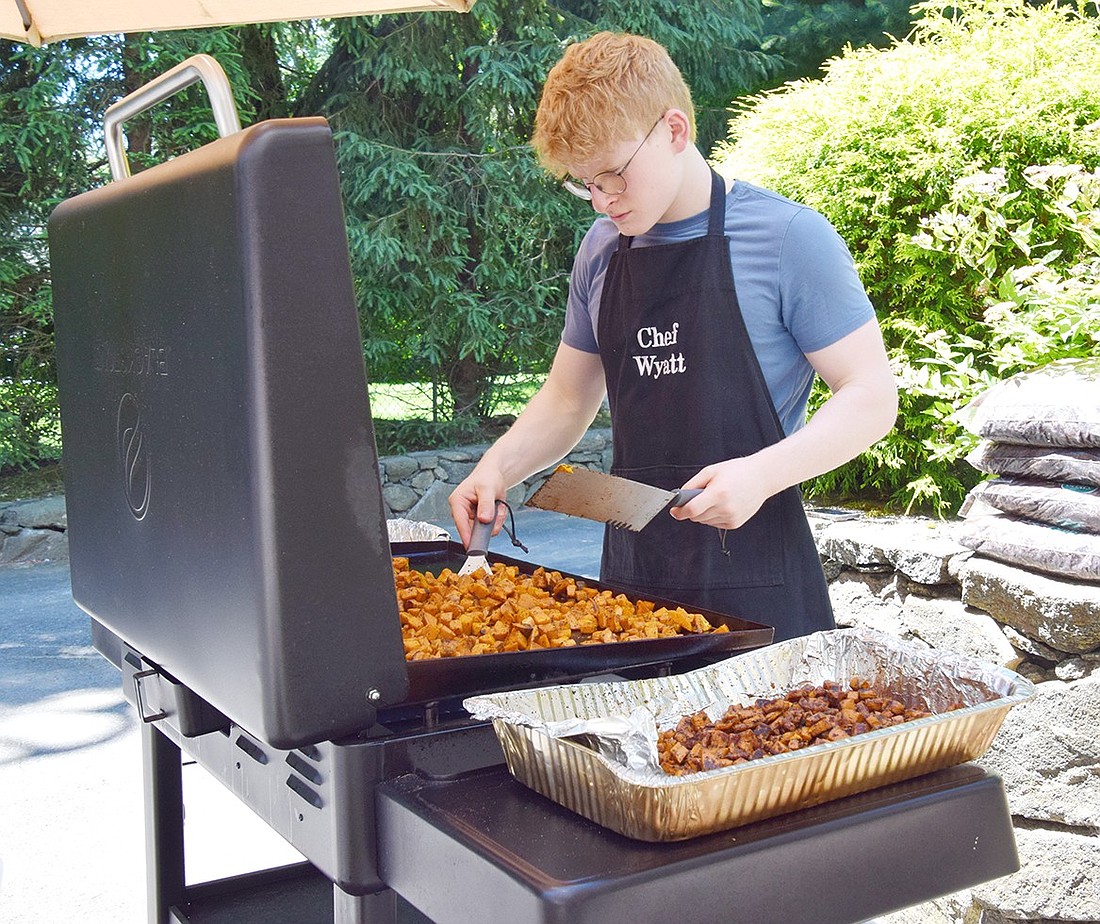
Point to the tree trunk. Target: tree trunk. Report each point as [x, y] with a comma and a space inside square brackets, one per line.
[260, 57]
[470, 383]
[139, 129]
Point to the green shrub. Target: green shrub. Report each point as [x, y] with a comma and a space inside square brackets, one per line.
[30, 426]
[972, 280]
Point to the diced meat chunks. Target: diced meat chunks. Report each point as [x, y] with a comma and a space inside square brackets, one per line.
[803, 717]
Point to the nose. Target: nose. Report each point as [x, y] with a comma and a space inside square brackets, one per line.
[601, 201]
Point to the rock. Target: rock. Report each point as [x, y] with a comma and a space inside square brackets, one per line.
[953, 626]
[1036, 673]
[947, 910]
[856, 603]
[399, 468]
[455, 470]
[422, 480]
[594, 441]
[432, 507]
[919, 549]
[43, 513]
[1059, 879]
[1062, 614]
[1021, 642]
[1072, 669]
[33, 545]
[1048, 755]
[399, 497]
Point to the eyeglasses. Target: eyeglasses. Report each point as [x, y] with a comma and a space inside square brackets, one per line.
[609, 182]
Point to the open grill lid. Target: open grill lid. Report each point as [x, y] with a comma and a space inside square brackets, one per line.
[225, 512]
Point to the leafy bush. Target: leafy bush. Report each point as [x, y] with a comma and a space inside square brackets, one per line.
[30, 425]
[959, 269]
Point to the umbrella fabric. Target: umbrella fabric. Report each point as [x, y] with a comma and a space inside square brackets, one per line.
[41, 21]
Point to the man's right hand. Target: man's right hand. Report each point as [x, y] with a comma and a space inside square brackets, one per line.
[476, 498]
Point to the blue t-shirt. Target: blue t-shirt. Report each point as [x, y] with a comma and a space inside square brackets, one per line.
[795, 279]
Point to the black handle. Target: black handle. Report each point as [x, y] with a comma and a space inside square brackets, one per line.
[482, 533]
[684, 496]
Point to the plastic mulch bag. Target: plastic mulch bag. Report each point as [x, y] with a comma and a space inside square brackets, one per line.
[1067, 506]
[1054, 405]
[1071, 555]
[1078, 466]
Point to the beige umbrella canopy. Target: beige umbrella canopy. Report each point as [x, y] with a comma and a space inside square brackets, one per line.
[41, 21]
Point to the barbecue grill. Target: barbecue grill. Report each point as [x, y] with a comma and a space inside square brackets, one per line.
[228, 540]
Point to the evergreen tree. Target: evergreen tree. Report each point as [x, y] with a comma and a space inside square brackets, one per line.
[461, 247]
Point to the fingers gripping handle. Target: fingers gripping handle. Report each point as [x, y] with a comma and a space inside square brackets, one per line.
[684, 496]
[482, 532]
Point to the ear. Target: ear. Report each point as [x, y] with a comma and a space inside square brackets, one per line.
[680, 128]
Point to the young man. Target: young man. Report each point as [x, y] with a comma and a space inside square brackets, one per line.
[703, 313]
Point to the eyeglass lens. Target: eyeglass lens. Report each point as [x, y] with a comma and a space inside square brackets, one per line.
[609, 182]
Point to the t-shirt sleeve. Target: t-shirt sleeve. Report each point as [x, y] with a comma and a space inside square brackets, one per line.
[578, 331]
[822, 297]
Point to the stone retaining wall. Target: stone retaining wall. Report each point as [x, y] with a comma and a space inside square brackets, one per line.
[415, 486]
[910, 577]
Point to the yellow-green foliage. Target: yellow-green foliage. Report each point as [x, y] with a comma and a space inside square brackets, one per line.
[880, 146]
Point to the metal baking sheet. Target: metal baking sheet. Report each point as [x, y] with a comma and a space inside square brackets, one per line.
[443, 678]
[592, 747]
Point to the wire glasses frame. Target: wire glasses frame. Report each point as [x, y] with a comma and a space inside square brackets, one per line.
[609, 182]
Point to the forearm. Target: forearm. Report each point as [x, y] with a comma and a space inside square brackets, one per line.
[551, 424]
[860, 410]
[543, 433]
[852, 419]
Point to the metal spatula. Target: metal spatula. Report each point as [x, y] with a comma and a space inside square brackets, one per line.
[581, 492]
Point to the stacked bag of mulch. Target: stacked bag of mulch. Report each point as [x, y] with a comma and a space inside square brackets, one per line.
[1040, 435]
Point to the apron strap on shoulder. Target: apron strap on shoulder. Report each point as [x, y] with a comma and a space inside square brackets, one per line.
[716, 223]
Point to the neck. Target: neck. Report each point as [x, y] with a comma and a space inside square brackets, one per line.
[694, 194]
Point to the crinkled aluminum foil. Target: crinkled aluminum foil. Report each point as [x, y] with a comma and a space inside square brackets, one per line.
[401, 530]
[592, 746]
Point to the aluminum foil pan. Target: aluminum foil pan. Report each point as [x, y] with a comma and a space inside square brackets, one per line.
[591, 747]
[401, 530]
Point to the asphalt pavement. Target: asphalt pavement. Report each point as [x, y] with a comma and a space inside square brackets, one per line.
[71, 814]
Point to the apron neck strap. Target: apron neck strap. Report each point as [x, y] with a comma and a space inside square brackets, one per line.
[716, 219]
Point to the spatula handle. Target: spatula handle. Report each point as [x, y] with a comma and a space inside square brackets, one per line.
[482, 533]
[684, 496]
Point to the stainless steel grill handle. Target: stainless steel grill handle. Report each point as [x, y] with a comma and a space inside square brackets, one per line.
[198, 67]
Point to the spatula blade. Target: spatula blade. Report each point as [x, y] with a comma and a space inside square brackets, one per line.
[581, 492]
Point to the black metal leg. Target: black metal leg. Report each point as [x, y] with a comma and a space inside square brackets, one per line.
[162, 774]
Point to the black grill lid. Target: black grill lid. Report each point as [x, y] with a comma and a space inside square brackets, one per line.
[225, 510]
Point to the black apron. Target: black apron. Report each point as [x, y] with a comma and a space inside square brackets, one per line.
[685, 391]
